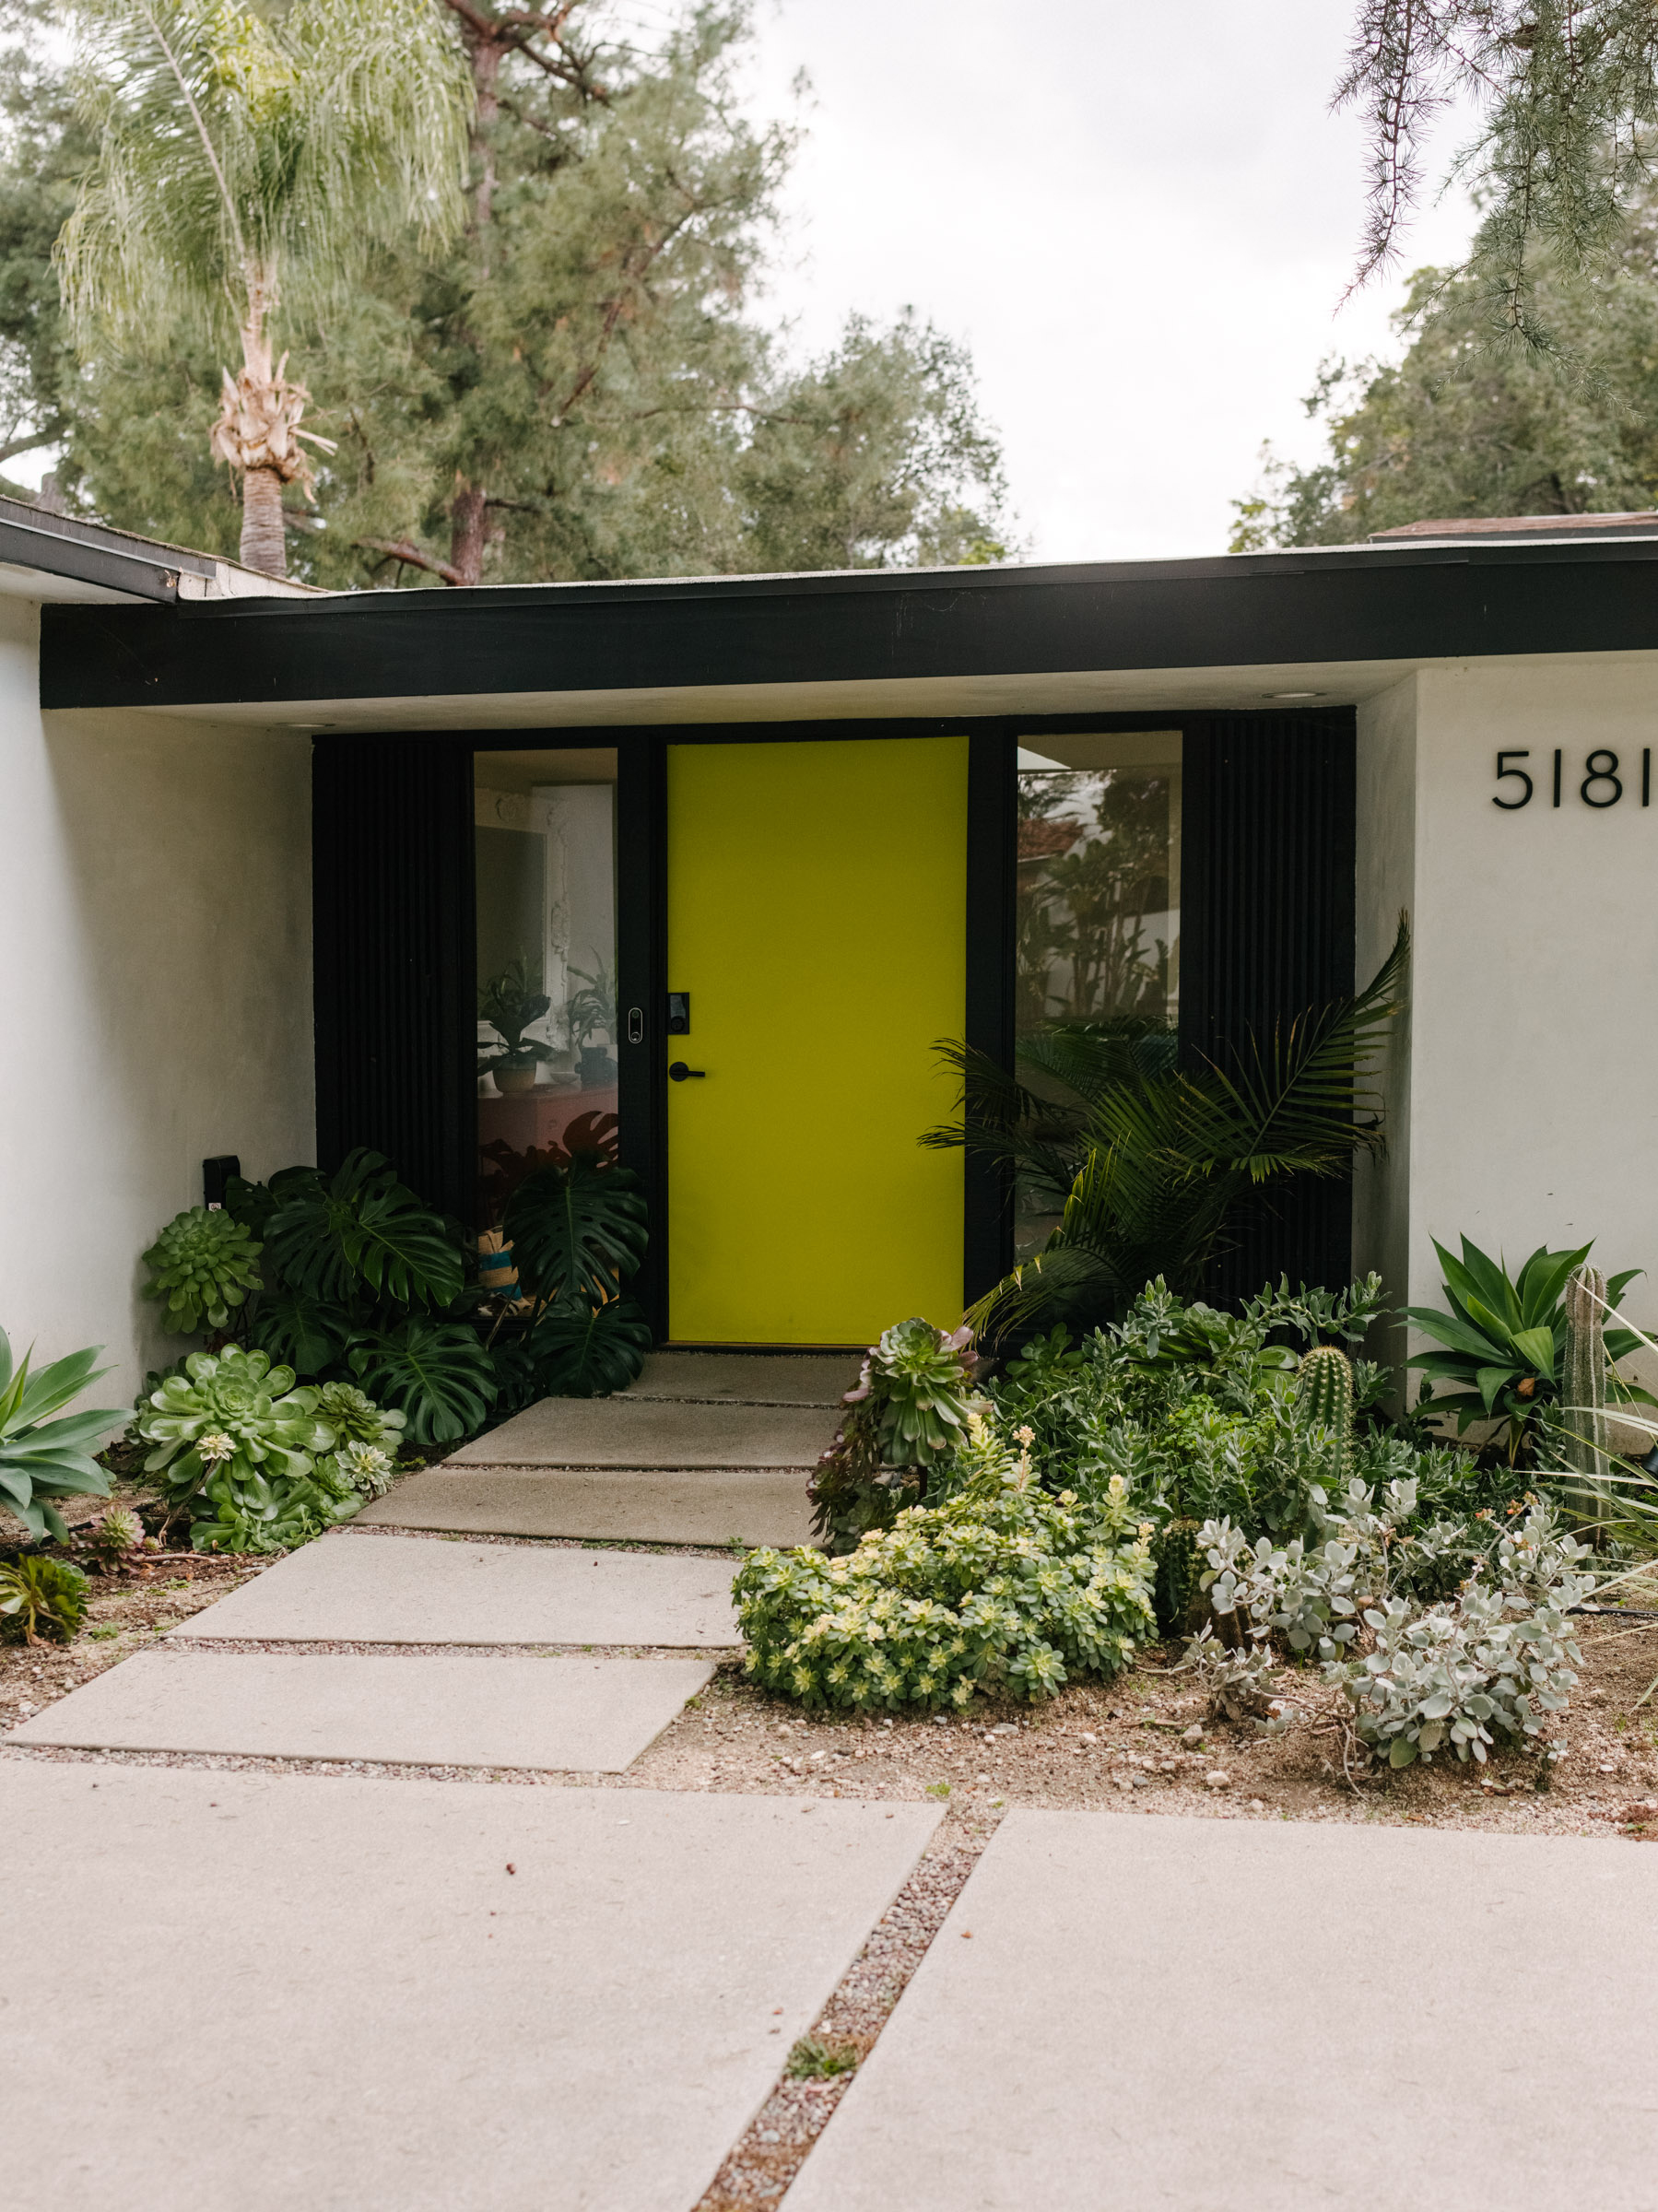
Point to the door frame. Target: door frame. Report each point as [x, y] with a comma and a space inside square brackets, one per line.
[372, 1081]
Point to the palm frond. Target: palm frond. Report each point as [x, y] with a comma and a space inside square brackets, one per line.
[1169, 1158]
[239, 150]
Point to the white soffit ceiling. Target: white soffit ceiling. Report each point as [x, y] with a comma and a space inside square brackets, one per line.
[1106, 691]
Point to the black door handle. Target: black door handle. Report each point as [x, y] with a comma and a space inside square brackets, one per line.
[679, 1073]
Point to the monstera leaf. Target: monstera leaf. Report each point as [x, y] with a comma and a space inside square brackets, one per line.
[305, 1332]
[361, 1230]
[577, 1232]
[436, 1372]
[586, 1352]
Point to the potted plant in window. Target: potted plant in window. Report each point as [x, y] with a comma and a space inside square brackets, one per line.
[592, 1012]
[509, 1002]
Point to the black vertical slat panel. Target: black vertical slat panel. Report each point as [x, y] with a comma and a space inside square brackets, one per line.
[1266, 931]
[991, 863]
[396, 939]
[642, 973]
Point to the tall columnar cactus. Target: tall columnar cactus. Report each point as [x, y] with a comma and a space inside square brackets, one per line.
[1583, 1372]
[1325, 1385]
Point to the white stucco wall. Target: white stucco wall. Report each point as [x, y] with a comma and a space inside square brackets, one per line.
[1530, 1107]
[155, 994]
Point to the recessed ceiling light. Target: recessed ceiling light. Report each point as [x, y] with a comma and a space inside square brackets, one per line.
[1296, 694]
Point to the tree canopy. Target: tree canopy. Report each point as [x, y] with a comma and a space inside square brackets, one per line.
[582, 384]
[1464, 426]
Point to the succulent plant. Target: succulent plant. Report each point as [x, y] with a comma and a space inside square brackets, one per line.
[203, 1264]
[1325, 1386]
[232, 1434]
[355, 1419]
[39, 1594]
[1176, 1591]
[117, 1536]
[1583, 1364]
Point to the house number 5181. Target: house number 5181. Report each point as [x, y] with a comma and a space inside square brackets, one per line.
[1601, 785]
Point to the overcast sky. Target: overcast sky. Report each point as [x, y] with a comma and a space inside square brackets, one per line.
[1141, 218]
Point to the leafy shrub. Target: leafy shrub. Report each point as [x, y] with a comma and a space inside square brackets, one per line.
[38, 1594]
[235, 1451]
[910, 1406]
[42, 1458]
[577, 1228]
[1199, 1413]
[579, 1351]
[203, 1264]
[1002, 1587]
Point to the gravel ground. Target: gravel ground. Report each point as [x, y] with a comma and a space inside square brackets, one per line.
[1129, 1745]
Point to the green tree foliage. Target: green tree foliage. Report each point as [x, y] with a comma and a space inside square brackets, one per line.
[241, 161]
[581, 385]
[45, 149]
[1566, 95]
[1462, 425]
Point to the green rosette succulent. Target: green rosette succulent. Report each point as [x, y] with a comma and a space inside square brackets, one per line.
[203, 1264]
[231, 1438]
[368, 1440]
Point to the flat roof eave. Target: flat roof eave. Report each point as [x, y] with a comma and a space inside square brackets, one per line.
[955, 633]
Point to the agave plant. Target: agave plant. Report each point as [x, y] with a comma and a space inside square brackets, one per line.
[42, 1457]
[1504, 1337]
[203, 1264]
[1150, 1164]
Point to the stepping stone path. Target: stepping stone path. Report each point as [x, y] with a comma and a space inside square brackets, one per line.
[705, 1447]
[709, 1507]
[281, 1990]
[590, 1715]
[1122, 2013]
[370, 1589]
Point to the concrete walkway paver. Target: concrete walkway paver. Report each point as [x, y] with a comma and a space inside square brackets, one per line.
[628, 1432]
[1232, 2016]
[265, 1991]
[371, 1589]
[431, 1709]
[748, 1378]
[658, 1507]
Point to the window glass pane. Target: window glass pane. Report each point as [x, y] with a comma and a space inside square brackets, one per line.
[1098, 893]
[544, 825]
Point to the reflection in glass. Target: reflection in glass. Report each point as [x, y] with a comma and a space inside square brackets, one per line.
[1098, 921]
[544, 827]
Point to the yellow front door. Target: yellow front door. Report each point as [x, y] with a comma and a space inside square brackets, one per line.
[816, 920]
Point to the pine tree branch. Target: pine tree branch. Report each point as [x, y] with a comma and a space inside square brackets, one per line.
[403, 550]
[26, 445]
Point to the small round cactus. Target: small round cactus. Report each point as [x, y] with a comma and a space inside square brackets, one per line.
[1325, 1386]
[203, 1264]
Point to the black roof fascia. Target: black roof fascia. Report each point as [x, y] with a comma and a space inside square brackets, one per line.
[86, 559]
[1245, 610]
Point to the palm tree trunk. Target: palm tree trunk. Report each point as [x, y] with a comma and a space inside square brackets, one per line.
[264, 540]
